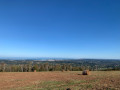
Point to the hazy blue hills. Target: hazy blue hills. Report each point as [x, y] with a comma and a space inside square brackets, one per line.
[47, 58]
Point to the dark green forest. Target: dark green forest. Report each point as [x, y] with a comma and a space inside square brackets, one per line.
[58, 65]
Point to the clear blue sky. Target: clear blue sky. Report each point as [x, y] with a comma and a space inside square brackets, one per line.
[60, 28]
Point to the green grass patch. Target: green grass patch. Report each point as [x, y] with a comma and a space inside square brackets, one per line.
[58, 85]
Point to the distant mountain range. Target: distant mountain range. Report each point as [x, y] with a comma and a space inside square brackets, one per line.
[47, 58]
[33, 58]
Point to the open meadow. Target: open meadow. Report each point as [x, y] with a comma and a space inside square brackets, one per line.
[100, 80]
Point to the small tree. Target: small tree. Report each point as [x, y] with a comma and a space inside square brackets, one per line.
[35, 67]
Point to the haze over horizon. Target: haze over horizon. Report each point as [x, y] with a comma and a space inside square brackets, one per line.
[60, 28]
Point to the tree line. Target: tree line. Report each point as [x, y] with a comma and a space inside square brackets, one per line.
[68, 65]
[39, 67]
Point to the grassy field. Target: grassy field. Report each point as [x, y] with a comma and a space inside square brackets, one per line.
[98, 80]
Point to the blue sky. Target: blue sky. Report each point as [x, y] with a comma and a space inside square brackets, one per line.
[60, 28]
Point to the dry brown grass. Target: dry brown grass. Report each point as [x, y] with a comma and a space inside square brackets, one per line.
[53, 80]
